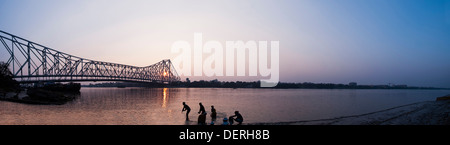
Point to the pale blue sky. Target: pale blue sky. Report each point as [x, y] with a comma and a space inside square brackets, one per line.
[322, 41]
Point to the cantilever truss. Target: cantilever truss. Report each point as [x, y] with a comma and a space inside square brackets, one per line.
[31, 62]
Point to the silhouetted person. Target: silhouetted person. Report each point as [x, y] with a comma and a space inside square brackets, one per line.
[202, 109]
[202, 119]
[187, 109]
[213, 113]
[238, 116]
[230, 120]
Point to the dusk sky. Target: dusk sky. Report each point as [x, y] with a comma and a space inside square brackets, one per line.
[321, 41]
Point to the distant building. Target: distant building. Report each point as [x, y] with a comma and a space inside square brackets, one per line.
[352, 84]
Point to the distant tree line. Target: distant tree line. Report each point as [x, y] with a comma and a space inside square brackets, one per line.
[305, 85]
[255, 84]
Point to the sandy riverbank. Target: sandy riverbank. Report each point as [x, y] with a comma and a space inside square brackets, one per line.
[422, 113]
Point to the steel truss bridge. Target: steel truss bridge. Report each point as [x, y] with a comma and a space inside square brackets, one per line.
[30, 62]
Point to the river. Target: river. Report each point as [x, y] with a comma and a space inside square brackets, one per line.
[162, 106]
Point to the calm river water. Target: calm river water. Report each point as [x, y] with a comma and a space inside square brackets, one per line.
[162, 106]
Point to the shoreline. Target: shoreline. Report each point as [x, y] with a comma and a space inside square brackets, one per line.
[37, 97]
[421, 113]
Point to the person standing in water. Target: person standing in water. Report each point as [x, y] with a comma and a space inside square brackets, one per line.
[187, 109]
[213, 113]
[202, 109]
[202, 119]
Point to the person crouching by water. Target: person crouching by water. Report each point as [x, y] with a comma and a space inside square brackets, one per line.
[213, 113]
[187, 109]
[230, 120]
[238, 116]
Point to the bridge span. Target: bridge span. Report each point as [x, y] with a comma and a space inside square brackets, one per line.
[31, 62]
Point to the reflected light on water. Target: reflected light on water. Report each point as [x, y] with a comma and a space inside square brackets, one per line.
[165, 98]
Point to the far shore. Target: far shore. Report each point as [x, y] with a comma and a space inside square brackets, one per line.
[256, 85]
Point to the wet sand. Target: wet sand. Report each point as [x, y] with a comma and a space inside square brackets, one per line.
[422, 113]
